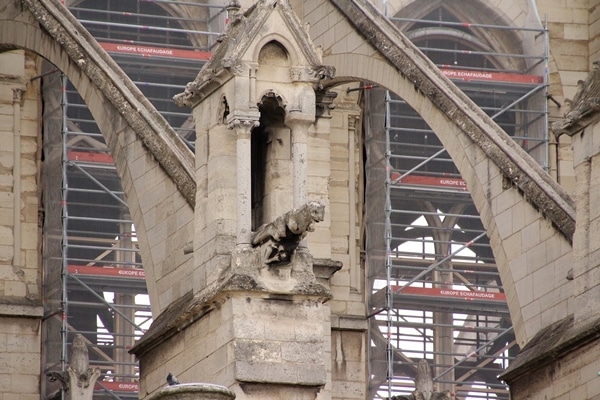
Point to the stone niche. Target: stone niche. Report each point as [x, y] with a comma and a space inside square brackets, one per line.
[257, 321]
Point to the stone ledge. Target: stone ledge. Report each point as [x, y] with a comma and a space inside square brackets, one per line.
[193, 391]
[324, 269]
[21, 310]
[349, 322]
[549, 345]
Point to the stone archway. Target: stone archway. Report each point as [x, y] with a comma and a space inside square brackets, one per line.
[507, 186]
[155, 167]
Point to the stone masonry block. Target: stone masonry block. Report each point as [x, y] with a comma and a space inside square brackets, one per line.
[531, 235]
[13, 63]
[576, 32]
[258, 351]
[504, 223]
[349, 390]
[518, 266]
[531, 315]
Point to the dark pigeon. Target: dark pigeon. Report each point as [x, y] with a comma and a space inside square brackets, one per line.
[172, 379]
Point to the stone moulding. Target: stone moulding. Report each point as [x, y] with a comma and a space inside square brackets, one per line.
[193, 391]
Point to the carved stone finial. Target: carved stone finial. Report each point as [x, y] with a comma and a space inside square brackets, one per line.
[279, 239]
[424, 386]
[81, 378]
[424, 380]
[233, 6]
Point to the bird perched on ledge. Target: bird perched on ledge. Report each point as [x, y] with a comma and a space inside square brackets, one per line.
[172, 380]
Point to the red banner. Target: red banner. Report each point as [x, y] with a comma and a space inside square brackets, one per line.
[466, 75]
[152, 51]
[429, 181]
[101, 158]
[107, 271]
[467, 295]
[118, 386]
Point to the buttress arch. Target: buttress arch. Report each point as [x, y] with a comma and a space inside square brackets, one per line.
[496, 169]
[149, 157]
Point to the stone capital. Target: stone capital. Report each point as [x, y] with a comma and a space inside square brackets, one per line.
[324, 103]
[243, 120]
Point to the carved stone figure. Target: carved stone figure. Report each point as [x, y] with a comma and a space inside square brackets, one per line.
[279, 239]
[82, 378]
[424, 386]
[424, 380]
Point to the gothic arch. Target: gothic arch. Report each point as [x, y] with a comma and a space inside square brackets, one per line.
[484, 177]
[485, 157]
[132, 129]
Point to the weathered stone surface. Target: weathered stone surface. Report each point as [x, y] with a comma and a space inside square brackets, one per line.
[193, 391]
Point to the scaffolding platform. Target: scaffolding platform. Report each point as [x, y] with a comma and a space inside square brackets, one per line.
[436, 292]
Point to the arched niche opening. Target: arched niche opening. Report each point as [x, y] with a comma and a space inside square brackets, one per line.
[270, 169]
[274, 63]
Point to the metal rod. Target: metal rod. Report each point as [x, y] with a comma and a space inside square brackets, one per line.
[438, 263]
[104, 12]
[468, 24]
[106, 303]
[65, 241]
[146, 27]
[404, 175]
[389, 301]
[78, 246]
[97, 182]
[473, 353]
[480, 53]
[441, 214]
[186, 3]
[517, 101]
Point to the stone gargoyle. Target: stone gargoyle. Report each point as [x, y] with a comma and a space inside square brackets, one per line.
[279, 239]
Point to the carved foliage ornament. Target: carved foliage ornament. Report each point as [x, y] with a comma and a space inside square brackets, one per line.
[311, 74]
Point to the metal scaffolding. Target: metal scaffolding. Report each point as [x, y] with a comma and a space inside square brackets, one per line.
[435, 290]
[93, 273]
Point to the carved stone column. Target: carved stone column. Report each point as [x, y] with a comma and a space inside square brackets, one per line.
[243, 123]
[299, 123]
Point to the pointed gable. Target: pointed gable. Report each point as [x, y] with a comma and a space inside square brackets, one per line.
[240, 45]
